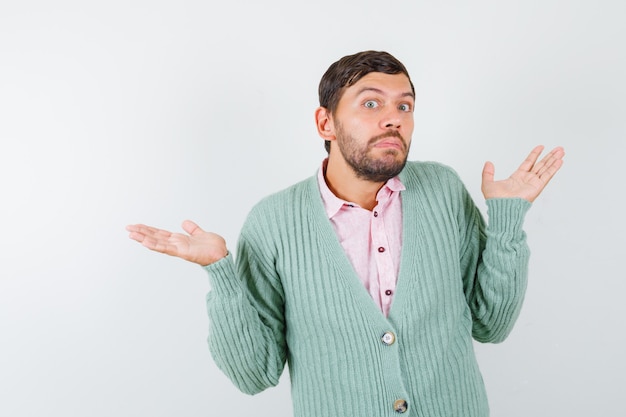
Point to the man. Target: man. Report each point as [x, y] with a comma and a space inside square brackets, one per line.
[371, 278]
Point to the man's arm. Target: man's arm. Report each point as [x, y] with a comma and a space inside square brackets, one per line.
[245, 304]
[247, 325]
[494, 261]
[494, 264]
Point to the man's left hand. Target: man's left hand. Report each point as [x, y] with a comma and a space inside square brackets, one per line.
[528, 181]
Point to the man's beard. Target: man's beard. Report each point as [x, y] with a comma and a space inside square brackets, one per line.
[364, 165]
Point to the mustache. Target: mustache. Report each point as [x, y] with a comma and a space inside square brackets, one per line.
[390, 134]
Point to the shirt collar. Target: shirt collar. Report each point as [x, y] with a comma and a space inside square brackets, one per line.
[332, 203]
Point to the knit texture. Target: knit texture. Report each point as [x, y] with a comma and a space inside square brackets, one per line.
[293, 296]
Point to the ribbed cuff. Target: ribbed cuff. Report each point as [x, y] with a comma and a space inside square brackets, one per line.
[507, 214]
[222, 276]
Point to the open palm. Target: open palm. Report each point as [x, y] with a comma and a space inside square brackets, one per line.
[197, 246]
[528, 181]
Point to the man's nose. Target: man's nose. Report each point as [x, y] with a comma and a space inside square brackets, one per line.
[391, 120]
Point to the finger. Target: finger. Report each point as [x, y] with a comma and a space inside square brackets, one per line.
[148, 230]
[160, 241]
[549, 160]
[191, 228]
[139, 237]
[489, 172]
[149, 237]
[550, 170]
[133, 227]
[531, 159]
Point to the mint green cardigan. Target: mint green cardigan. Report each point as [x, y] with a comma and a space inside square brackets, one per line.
[293, 296]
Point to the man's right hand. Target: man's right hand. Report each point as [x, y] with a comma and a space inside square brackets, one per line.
[198, 246]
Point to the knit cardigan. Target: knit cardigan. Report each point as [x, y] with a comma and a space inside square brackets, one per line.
[293, 297]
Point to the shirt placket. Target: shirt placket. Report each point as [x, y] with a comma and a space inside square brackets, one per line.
[382, 255]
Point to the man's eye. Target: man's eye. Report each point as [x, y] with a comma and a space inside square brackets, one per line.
[404, 107]
[371, 104]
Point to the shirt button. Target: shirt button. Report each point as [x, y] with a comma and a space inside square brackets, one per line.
[388, 292]
[375, 214]
[388, 338]
[381, 249]
[400, 406]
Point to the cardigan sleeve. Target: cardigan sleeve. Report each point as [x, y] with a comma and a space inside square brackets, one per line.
[246, 319]
[494, 264]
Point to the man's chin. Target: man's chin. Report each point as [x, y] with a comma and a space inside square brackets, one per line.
[381, 172]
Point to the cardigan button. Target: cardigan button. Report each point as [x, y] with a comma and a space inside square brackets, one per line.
[400, 406]
[388, 338]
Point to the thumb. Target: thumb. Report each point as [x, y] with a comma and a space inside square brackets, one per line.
[488, 172]
[191, 228]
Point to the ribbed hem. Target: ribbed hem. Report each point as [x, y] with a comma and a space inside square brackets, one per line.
[222, 276]
[507, 214]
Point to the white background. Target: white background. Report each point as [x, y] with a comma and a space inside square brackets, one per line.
[132, 111]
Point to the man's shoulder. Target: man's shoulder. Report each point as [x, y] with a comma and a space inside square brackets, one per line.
[427, 171]
[295, 194]
[277, 211]
[433, 181]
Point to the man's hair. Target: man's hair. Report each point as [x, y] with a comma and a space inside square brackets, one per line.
[350, 69]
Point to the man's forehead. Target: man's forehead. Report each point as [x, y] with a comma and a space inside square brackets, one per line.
[382, 83]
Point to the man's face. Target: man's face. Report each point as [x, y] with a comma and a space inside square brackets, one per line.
[373, 125]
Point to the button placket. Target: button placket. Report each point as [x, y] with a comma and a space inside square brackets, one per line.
[383, 258]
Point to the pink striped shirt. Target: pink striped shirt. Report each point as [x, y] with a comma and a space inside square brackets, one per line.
[372, 240]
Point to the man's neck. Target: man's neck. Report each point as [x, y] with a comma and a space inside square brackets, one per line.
[344, 183]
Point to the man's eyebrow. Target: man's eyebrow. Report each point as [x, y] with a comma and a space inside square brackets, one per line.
[379, 91]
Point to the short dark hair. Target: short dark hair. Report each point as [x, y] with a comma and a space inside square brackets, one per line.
[350, 69]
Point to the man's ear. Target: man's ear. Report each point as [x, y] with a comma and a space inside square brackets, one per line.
[324, 123]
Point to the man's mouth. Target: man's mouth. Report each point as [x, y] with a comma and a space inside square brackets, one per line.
[389, 141]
